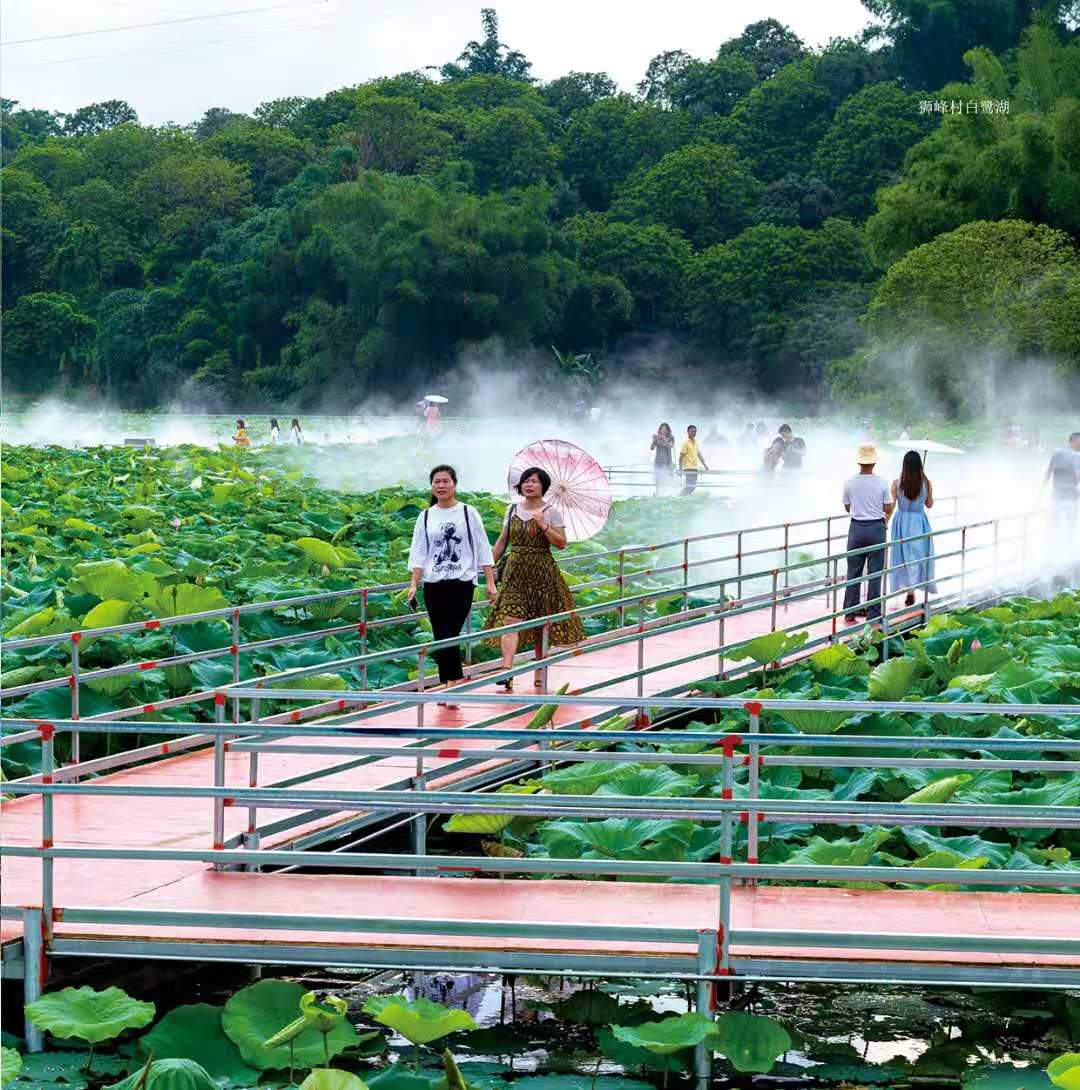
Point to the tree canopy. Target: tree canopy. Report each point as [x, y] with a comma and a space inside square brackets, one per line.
[787, 215]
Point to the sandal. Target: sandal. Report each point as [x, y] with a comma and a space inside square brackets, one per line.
[507, 686]
[909, 599]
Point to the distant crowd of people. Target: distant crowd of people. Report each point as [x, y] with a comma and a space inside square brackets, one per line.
[785, 452]
[243, 439]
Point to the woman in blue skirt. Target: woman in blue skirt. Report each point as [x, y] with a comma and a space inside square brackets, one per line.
[912, 561]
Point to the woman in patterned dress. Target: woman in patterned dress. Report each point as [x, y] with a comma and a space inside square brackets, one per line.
[532, 585]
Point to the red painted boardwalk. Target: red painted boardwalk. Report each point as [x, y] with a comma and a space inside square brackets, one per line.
[178, 823]
[628, 904]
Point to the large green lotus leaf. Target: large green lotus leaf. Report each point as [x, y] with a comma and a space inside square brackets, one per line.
[322, 552]
[840, 660]
[893, 679]
[669, 1035]
[486, 824]
[420, 1021]
[169, 1074]
[939, 790]
[113, 579]
[36, 624]
[659, 781]
[750, 1042]
[1057, 656]
[400, 1077]
[10, 1065]
[255, 1013]
[1004, 1077]
[64, 1069]
[112, 686]
[105, 614]
[187, 598]
[613, 838]
[591, 1008]
[815, 722]
[80, 527]
[194, 1032]
[328, 1078]
[769, 648]
[636, 1059]
[89, 1015]
[841, 852]
[1065, 1071]
[317, 681]
[583, 778]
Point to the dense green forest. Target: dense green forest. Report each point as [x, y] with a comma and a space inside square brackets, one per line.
[797, 219]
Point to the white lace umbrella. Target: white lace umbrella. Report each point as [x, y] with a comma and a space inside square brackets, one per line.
[579, 488]
[927, 446]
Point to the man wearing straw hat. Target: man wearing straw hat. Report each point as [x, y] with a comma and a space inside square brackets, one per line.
[867, 500]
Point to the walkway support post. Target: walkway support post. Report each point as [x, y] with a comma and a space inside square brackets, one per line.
[35, 970]
[363, 636]
[704, 1003]
[253, 772]
[686, 572]
[642, 718]
[963, 565]
[421, 669]
[235, 650]
[219, 778]
[738, 560]
[772, 608]
[544, 648]
[754, 784]
[48, 765]
[76, 747]
[720, 636]
[419, 823]
[787, 548]
[622, 586]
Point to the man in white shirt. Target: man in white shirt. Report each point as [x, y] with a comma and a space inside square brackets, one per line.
[867, 499]
[1063, 475]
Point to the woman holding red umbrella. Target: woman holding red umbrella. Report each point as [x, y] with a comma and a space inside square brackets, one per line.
[532, 585]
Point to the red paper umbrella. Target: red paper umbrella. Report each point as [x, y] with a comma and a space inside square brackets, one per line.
[579, 489]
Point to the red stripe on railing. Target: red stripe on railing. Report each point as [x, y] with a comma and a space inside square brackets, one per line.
[219, 699]
[151, 624]
[46, 730]
[149, 708]
[448, 752]
[753, 707]
[75, 637]
[148, 665]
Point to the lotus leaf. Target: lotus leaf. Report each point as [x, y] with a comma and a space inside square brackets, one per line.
[750, 1042]
[105, 614]
[769, 648]
[669, 1035]
[112, 579]
[255, 1013]
[320, 551]
[590, 1007]
[545, 714]
[1065, 1071]
[579, 1082]
[10, 1065]
[325, 1078]
[840, 660]
[89, 1015]
[323, 1014]
[841, 852]
[420, 1021]
[171, 1074]
[939, 790]
[194, 1032]
[658, 781]
[399, 1077]
[485, 824]
[892, 679]
[815, 722]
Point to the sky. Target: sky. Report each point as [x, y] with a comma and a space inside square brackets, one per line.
[238, 53]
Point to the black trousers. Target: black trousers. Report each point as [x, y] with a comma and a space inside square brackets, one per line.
[447, 602]
[861, 535]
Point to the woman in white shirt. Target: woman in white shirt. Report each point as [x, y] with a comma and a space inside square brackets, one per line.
[449, 548]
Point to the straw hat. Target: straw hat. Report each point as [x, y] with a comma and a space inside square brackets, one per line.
[867, 455]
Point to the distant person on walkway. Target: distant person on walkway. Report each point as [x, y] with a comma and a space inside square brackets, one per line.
[867, 500]
[241, 438]
[450, 548]
[275, 431]
[748, 439]
[663, 442]
[772, 457]
[691, 461]
[1063, 475]
[912, 561]
[431, 417]
[905, 434]
[785, 433]
[297, 434]
[794, 453]
[532, 585]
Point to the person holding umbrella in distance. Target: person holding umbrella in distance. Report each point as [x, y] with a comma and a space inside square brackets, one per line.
[867, 499]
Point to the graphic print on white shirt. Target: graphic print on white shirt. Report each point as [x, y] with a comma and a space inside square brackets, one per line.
[447, 560]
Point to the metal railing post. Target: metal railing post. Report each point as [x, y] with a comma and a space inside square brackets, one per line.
[419, 824]
[738, 560]
[753, 783]
[787, 547]
[253, 772]
[363, 637]
[727, 791]
[963, 565]
[76, 747]
[545, 648]
[703, 1004]
[234, 650]
[219, 778]
[720, 636]
[685, 571]
[642, 718]
[48, 766]
[996, 523]
[421, 660]
[35, 972]
[468, 642]
[622, 586]
[772, 608]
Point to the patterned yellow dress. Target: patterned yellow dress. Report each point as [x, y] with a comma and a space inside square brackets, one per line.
[533, 586]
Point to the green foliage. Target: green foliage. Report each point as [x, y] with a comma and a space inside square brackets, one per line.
[91, 1016]
[10, 1065]
[168, 1074]
[256, 1013]
[194, 1032]
[669, 1035]
[420, 1021]
[325, 1078]
[750, 1042]
[1064, 1071]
